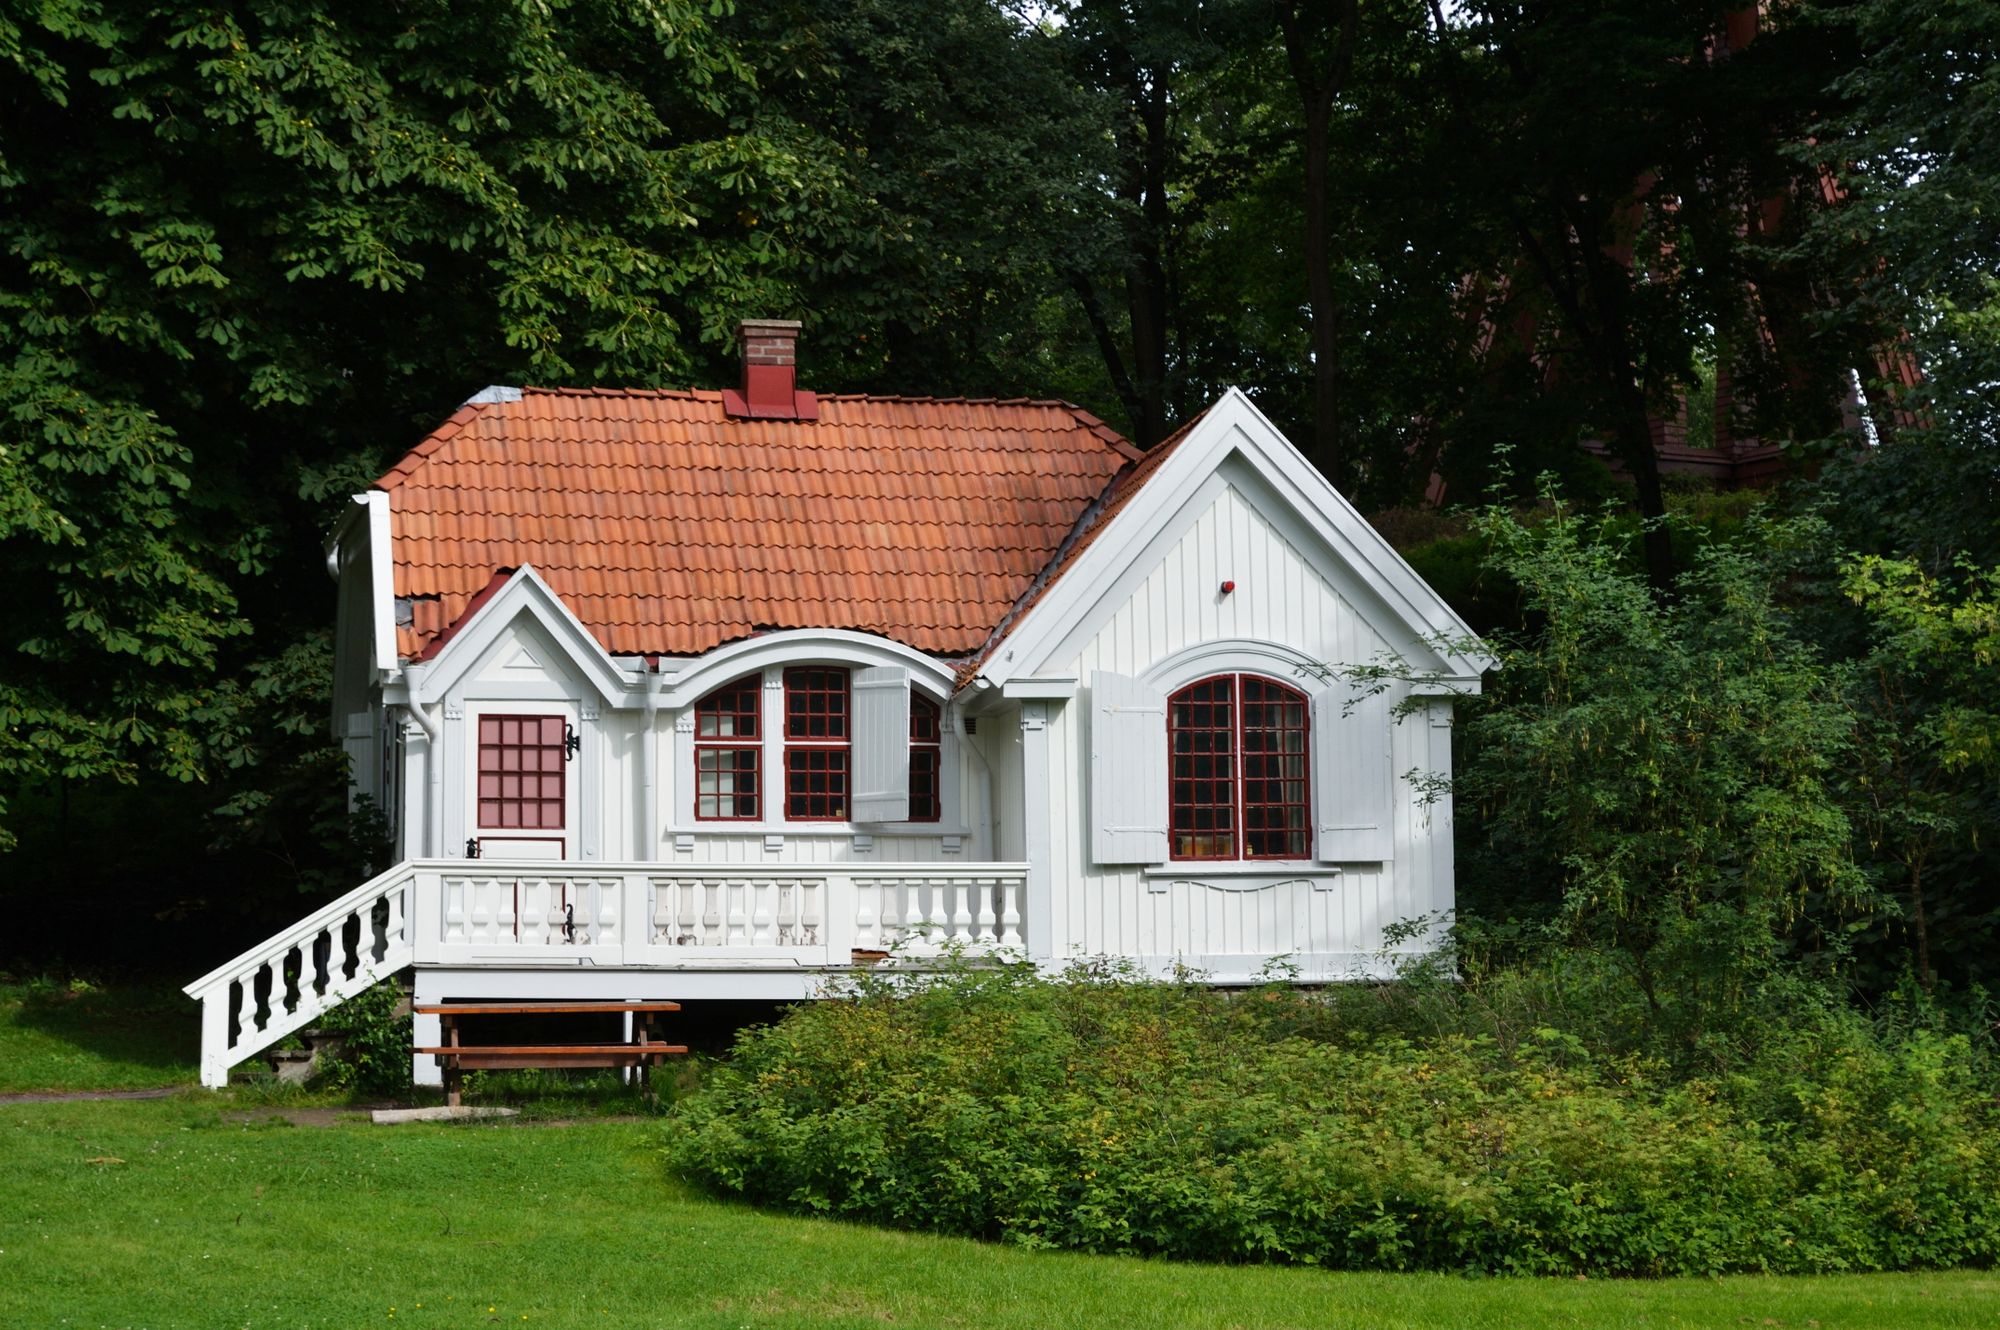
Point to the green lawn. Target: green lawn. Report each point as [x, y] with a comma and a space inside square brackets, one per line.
[205, 1210]
[76, 1036]
[170, 1213]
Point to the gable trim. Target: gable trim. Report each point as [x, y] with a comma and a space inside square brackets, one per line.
[1234, 428]
[470, 640]
[700, 675]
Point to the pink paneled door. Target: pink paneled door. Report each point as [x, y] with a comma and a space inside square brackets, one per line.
[523, 796]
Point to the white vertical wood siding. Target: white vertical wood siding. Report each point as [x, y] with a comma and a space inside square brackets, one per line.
[1279, 598]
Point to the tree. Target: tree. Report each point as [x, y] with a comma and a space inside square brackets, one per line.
[1630, 153]
[247, 254]
[973, 154]
[1667, 770]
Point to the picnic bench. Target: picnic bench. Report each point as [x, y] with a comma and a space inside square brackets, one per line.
[457, 1056]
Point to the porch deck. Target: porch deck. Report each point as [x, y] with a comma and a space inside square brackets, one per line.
[552, 929]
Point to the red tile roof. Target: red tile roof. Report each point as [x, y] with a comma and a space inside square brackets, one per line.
[1089, 526]
[668, 527]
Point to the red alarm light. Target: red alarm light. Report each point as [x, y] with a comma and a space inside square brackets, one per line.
[1228, 587]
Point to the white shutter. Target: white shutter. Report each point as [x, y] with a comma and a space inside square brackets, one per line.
[881, 731]
[1128, 771]
[1353, 784]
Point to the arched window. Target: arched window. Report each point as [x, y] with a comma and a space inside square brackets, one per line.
[821, 730]
[727, 754]
[1237, 744]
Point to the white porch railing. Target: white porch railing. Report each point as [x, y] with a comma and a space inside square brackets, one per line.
[484, 912]
[289, 981]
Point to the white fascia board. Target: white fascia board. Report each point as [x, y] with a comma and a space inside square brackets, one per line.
[372, 509]
[1234, 426]
[1039, 690]
[527, 593]
[688, 680]
[382, 579]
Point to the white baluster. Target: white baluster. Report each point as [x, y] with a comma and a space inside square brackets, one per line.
[246, 1007]
[809, 913]
[867, 936]
[934, 920]
[787, 914]
[507, 917]
[895, 912]
[536, 907]
[961, 915]
[274, 1000]
[711, 914]
[454, 910]
[1010, 912]
[604, 930]
[739, 917]
[984, 928]
[396, 930]
[687, 896]
[760, 912]
[339, 956]
[667, 895]
[481, 893]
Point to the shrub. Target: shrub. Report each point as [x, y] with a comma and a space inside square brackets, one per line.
[374, 1055]
[1112, 1116]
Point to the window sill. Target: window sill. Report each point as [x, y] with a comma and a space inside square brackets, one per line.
[817, 829]
[1225, 875]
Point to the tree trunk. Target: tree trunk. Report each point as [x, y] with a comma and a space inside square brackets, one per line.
[1317, 91]
[1328, 453]
[1146, 275]
[1920, 923]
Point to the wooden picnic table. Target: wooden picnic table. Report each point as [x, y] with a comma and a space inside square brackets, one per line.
[456, 1056]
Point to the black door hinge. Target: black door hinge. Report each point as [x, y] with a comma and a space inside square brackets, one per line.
[571, 741]
[472, 847]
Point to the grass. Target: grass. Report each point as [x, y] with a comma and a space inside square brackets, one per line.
[80, 1036]
[209, 1210]
[182, 1212]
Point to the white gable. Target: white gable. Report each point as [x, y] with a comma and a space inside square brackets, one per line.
[1235, 501]
[1280, 596]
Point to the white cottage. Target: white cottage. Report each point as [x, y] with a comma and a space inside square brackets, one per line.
[702, 695]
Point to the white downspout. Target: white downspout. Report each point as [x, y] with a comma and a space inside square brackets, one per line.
[431, 723]
[649, 761]
[984, 844]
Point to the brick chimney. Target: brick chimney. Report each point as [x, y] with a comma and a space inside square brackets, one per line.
[770, 374]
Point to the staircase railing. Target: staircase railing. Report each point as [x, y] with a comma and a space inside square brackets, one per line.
[288, 981]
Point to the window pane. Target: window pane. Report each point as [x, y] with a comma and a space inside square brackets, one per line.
[1202, 788]
[730, 712]
[816, 704]
[816, 784]
[1275, 801]
[521, 771]
[726, 783]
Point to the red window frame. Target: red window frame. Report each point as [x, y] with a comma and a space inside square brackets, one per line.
[729, 726]
[926, 759]
[818, 747]
[1239, 753]
[523, 773]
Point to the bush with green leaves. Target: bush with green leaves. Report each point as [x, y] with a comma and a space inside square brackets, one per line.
[374, 1053]
[1102, 1114]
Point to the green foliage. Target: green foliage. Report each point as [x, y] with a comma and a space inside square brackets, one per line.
[1666, 766]
[1112, 1116]
[374, 1056]
[238, 247]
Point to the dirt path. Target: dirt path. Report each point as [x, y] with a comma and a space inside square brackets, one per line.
[78, 1096]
